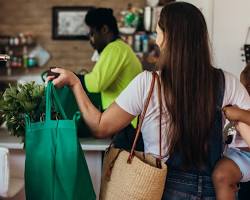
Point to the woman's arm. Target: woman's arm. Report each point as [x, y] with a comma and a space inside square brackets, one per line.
[102, 124]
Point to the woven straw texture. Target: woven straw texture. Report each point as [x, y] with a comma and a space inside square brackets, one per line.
[140, 180]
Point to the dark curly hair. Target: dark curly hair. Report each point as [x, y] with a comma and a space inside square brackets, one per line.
[98, 17]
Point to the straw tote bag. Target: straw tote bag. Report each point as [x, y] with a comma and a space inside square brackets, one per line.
[134, 175]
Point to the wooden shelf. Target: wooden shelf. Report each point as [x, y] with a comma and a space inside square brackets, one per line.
[13, 74]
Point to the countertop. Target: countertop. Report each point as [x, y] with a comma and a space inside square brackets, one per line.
[88, 144]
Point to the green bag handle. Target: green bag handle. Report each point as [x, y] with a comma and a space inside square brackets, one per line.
[51, 92]
[77, 116]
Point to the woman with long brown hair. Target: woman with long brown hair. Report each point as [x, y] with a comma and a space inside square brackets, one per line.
[193, 94]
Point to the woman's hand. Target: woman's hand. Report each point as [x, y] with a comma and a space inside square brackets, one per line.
[232, 113]
[65, 77]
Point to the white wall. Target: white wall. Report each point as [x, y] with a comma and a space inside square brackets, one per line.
[228, 21]
[206, 7]
[231, 21]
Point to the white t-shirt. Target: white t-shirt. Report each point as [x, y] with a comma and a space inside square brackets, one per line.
[235, 94]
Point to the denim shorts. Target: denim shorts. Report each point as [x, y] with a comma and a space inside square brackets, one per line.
[188, 186]
[242, 159]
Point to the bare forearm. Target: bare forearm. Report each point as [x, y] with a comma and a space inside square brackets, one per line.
[244, 116]
[91, 115]
[101, 124]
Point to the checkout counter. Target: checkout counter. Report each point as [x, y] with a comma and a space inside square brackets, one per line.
[93, 149]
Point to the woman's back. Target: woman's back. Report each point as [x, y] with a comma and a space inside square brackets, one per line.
[193, 95]
[234, 93]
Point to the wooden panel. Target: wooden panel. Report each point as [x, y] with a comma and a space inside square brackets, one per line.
[35, 16]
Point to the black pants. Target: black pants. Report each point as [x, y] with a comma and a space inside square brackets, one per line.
[244, 192]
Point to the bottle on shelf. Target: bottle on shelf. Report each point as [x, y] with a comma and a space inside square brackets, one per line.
[18, 48]
[23, 40]
[29, 38]
[137, 44]
[32, 62]
[25, 57]
[11, 41]
[144, 43]
[16, 41]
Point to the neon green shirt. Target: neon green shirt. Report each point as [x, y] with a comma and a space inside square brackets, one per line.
[116, 67]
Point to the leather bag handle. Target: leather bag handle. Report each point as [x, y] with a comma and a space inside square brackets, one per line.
[138, 130]
[52, 94]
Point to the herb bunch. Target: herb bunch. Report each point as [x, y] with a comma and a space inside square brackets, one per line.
[20, 99]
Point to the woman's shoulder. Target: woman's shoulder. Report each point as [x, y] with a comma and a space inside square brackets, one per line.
[132, 98]
[144, 78]
[147, 75]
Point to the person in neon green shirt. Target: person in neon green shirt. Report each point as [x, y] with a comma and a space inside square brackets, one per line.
[116, 67]
[117, 64]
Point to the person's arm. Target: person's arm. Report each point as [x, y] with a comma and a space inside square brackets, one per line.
[234, 113]
[102, 124]
[244, 131]
[106, 70]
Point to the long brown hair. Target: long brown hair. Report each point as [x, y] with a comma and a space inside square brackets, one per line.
[188, 80]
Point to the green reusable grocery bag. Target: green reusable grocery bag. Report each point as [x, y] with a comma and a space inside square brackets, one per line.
[68, 102]
[55, 167]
